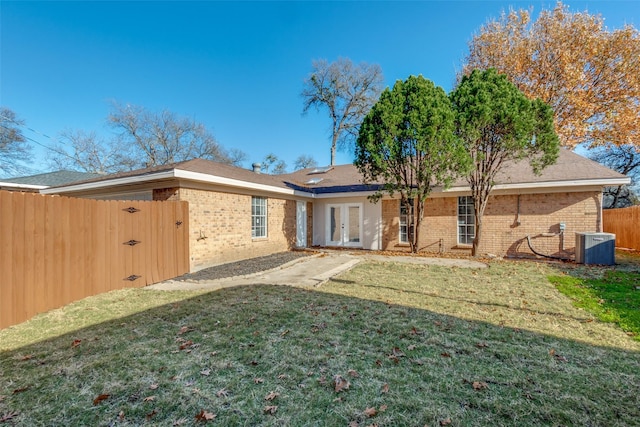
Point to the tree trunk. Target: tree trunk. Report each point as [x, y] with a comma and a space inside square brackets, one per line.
[334, 144]
[475, 248]
[416, 223]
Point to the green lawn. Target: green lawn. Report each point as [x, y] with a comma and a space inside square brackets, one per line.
[383, 344]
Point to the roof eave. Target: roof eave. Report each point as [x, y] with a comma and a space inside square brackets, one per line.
[598, 182]
[29, 186]
[127, 180]
[231, 182]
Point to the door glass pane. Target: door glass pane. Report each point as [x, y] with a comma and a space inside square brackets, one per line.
[335, 217]
[354, 224]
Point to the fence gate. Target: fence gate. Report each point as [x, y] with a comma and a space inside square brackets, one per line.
[55, 250]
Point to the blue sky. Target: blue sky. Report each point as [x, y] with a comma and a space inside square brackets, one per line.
[237, 67]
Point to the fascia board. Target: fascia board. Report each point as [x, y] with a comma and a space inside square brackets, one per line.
[344, 195]
[549, 184]
[137, 179]
[230, 182]
[29, 186]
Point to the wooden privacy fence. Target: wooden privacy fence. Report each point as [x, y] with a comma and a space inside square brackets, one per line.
[55, 250]
[625, 224]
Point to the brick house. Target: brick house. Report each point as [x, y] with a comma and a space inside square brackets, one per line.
[236, 213]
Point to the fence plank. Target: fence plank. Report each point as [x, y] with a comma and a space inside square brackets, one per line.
[6, 259]
[625, 224]
[54, 250]
[19, 266]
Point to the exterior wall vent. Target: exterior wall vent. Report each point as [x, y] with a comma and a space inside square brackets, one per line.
[596, 248]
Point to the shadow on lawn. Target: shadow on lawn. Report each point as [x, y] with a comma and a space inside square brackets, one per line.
[225, 351]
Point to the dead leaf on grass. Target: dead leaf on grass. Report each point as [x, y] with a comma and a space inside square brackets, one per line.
[353, 373]
[184, 330]
[75, 343]
[282, 376]
[121, 415]
[179, 422]
[271, 410]
[26, 357]
[385, 388]
[397, 352]
[186, 345]
[479, 385]
[370, 412]
[258, 380]
[411, 347]
[222, 392]
[340, 384]
[20, 390]
[481, 345]
[353, 424]
[272, 395]
[445, 422]
[205, 416]
[153, 386]
[8, 416]
[383, 408]
[100, 398]
[149, 399]
[205, 372]
[151, 414]
[445, 354]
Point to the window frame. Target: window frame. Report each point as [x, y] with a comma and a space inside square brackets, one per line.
[465, 220]
[259, 217]
[403, 236]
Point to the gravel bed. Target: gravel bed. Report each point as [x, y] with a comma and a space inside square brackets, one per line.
[244, 267]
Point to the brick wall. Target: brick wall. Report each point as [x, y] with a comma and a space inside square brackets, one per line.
[540, 218]
[220, 226]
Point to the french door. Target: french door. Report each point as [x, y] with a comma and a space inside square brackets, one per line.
[344, 224]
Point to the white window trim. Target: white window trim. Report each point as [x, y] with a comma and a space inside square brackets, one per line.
[265, 216]
[403, 242]
[458, 221]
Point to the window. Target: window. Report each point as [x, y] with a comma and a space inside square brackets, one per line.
[258, 217]
[405, 220]
[466, 220]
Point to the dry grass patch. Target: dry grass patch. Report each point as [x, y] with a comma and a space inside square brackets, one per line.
[510, 294]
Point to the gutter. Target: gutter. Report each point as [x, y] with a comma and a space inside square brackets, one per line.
[28, 186]
[298, 191]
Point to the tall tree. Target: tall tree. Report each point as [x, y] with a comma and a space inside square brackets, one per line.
[408, 143]
[272, 165]
[87, 152]
[498, 124]
[626, 160]
[144, 139]
[587, 73]
[162, 138]
[347, 91]
[304, 161]
[13, 144]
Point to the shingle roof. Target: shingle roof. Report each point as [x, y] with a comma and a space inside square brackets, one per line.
[570, 167]
[51, 179]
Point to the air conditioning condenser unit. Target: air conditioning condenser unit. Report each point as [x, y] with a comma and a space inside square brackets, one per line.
[596, 248]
